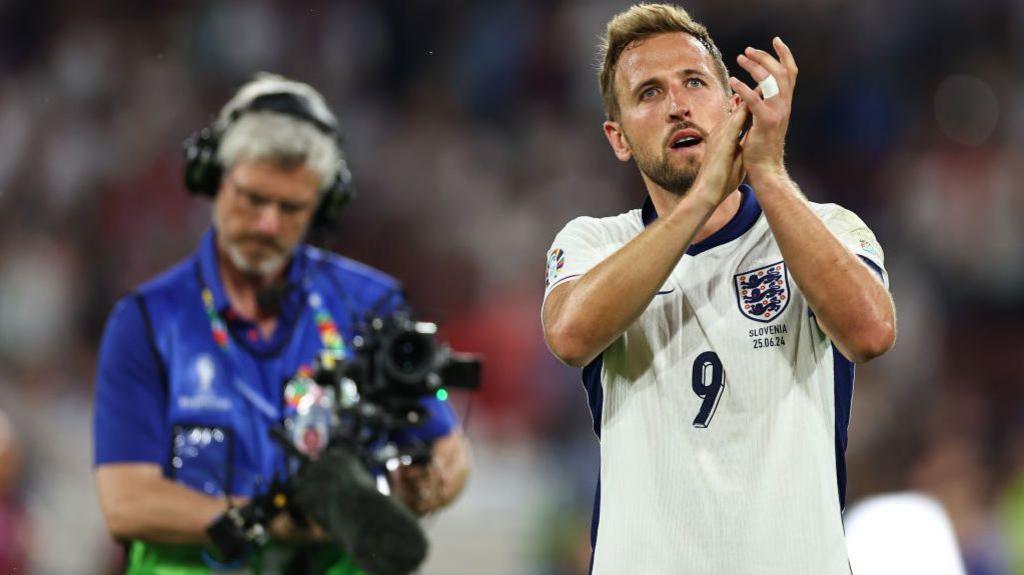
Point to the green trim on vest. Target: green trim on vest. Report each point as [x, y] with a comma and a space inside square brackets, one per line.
[167, 559]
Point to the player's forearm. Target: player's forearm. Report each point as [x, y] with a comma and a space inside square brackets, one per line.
[152, 508]
[850, 302]
[606, 300]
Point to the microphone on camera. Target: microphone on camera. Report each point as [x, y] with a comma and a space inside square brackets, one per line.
[378, 532]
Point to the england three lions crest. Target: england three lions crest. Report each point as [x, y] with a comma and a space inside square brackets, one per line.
[763, 293]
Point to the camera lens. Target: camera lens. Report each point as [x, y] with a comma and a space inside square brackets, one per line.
[410, 356]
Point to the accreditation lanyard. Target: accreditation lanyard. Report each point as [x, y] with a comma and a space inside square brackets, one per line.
[330, 340]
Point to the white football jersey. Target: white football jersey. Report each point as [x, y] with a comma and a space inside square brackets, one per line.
[722, 411]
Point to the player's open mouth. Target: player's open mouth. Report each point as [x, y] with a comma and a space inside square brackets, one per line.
[685, 139]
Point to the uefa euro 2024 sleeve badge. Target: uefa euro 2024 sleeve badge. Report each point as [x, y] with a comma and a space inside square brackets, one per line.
[763, 293]
[556, 261]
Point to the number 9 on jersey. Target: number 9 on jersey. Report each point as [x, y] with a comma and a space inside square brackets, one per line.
[708, 384]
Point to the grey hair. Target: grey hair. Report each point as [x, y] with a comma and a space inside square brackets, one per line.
[269, 136]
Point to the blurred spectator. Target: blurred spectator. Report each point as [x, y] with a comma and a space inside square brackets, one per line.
[899, 533]
[14, 524]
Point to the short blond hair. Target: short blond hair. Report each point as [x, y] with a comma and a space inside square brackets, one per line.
[643, 21]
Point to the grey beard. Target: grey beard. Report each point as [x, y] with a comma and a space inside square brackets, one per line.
[265, 268]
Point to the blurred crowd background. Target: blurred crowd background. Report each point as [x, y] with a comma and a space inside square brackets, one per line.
[473, 131]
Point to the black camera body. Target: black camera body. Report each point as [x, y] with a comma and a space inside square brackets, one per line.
[398, 358]
[361, 401]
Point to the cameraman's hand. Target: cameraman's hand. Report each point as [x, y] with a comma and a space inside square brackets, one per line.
[284, 529]
[427, 488]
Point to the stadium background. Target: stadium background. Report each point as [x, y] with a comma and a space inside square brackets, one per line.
[473, 130]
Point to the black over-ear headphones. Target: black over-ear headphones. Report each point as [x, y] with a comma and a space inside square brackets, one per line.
[203, 172]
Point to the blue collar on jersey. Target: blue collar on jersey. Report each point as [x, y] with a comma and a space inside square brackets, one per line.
[744, 219]
[210, 270]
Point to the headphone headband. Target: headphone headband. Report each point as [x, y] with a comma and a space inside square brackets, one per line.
[288, 104]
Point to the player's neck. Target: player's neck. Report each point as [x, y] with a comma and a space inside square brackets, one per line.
[664, 202]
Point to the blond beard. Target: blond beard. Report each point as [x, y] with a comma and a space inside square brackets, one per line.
[659, 170]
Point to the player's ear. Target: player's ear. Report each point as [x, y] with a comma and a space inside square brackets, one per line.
[618, 141]
[734, 102]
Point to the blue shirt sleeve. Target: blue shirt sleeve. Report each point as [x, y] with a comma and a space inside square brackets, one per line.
[131, 390]
[387, 302]
[442, 419]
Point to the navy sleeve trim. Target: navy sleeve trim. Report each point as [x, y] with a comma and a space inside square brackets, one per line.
[843, 372]
[873, 266]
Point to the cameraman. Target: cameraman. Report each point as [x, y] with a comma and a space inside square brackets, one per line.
[192, 363]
